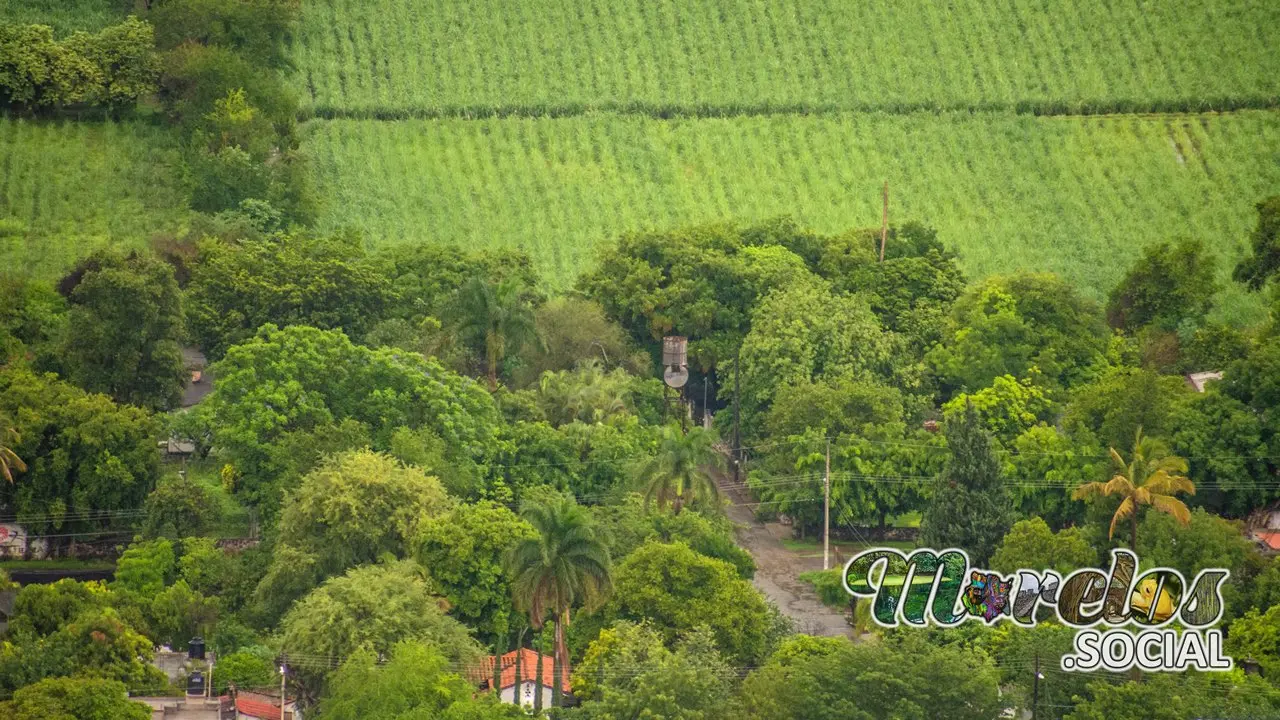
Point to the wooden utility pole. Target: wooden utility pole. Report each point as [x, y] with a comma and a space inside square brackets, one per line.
[826, 512]
[283, 670]
[884, 221]
[1035, 689]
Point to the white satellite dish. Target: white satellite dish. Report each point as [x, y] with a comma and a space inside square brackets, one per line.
[675, 376]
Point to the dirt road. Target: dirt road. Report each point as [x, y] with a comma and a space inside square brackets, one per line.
[778, 569]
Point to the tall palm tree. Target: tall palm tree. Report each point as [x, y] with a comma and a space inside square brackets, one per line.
[495, 314]
[1152, 478]
[683, 469]
[565, 565]
[9, 460]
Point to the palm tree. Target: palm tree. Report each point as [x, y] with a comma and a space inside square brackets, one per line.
[683, 469]
[565, 565]
[495, 314]
[1152, 478]
[9, 460]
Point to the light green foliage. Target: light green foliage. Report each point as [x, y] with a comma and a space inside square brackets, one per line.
[353, 509]
[1056, 192]
[73, 187]
[1019, 649]
[178, 614]
[678, 589]
[124, 326]
[178, 507]
[40, 610]
[733, 56]
[835, 406]
[301, 378]
[74, 699]
[32, 315]
[1256, 637]
[205, 567]
[587, 393]
[83, 452]
[112, 68]
[416, 682]
[1008, 407]
[1167, 285]
[627, 524]
[64, 16]
[1019, 324]
[463, 552]
[628, 672]
[969, 507]
[1031, 544]
[805, 332]
[246, 669]
[324, 282]
[374, 608]
[1207, 542]
[683, 470]
[867, 681]
[1044, 464]
[145, 568]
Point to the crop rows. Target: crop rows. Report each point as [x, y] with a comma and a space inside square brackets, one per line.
[68, 187]
[65, 16]
[1077, 196]
[475, 58]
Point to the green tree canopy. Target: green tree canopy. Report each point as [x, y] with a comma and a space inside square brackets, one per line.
[970, 505]
[1264, 263]
[1031, 544]
[678, 589]
[372, 608]
[1169, 283]
[123, 329]
[573, 330]
[495, 318]
[74, 699]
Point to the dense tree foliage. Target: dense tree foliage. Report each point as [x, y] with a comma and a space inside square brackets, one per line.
[1263, 264]
[74, 699]
[1167, 285]
[1031, 544]
[111, 69]
[969, 507]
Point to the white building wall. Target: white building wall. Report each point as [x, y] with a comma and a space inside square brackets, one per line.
[527, 689]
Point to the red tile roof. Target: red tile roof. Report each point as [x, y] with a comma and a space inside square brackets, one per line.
[483, 673]
[258, 706]
[1270, 538]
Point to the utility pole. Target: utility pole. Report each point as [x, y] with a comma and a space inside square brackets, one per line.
[1035, 689]
[283, 670]
[826, 512]
[884, 221]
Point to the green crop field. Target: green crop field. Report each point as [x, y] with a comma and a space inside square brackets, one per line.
[65, 16]
[1078, 196]
[396, 58]
[68, 187]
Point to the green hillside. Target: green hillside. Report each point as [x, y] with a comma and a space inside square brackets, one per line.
[1075, 196]
[67, 187]
[390, 58]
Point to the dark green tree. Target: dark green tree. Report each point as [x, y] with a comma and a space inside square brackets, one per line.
[74, 698]
[970, 507]
[1256, 269]
[683, 470]
[1169, 283]
[124, 326]
[495, 317]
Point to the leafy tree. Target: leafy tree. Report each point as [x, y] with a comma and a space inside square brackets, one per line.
[1168, 284]
[1051, 463]
[836, 406]
[415, 682]
[1025, 651]
[1122, 399]
[1008, 407]
[563, 565]
[1224, 442]
[300, 379]
[85, 454]
[678, 589]
[246, 670]
[124, 324]
[865, 682]
[682, 471]
[1008, 325]
[40, 610]
[372, 608]
[629, 672]
[573, 330]
[970, 504]
[1256, 637]
[112, 68]
[496, 317]
[256, 30]
[32, 318]
[326, 282]
[802, 333]
[1169, 696]
[1152, 477]
[354, 509]
[463, 551]
[96, 643]
[1031, 544]
[74, 699]
[178, 614]
[1264, 262]
[425, 276]
[1205, 541]
[586, 393]
[206, 568]
[178, 507]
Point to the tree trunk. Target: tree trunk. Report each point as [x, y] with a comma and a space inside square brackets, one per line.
[557, 663]
[1133, 531]
[519, 668]
[537, 674]
[499, 646]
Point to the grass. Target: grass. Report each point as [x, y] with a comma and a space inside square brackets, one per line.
[1076, 196]
[398, 58]
[69, 187]
[65, 16]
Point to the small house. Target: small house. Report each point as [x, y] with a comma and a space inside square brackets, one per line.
[529, 682]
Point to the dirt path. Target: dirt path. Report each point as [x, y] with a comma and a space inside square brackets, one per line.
[778, 569]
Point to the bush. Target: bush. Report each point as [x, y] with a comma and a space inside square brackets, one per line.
[111, 69]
